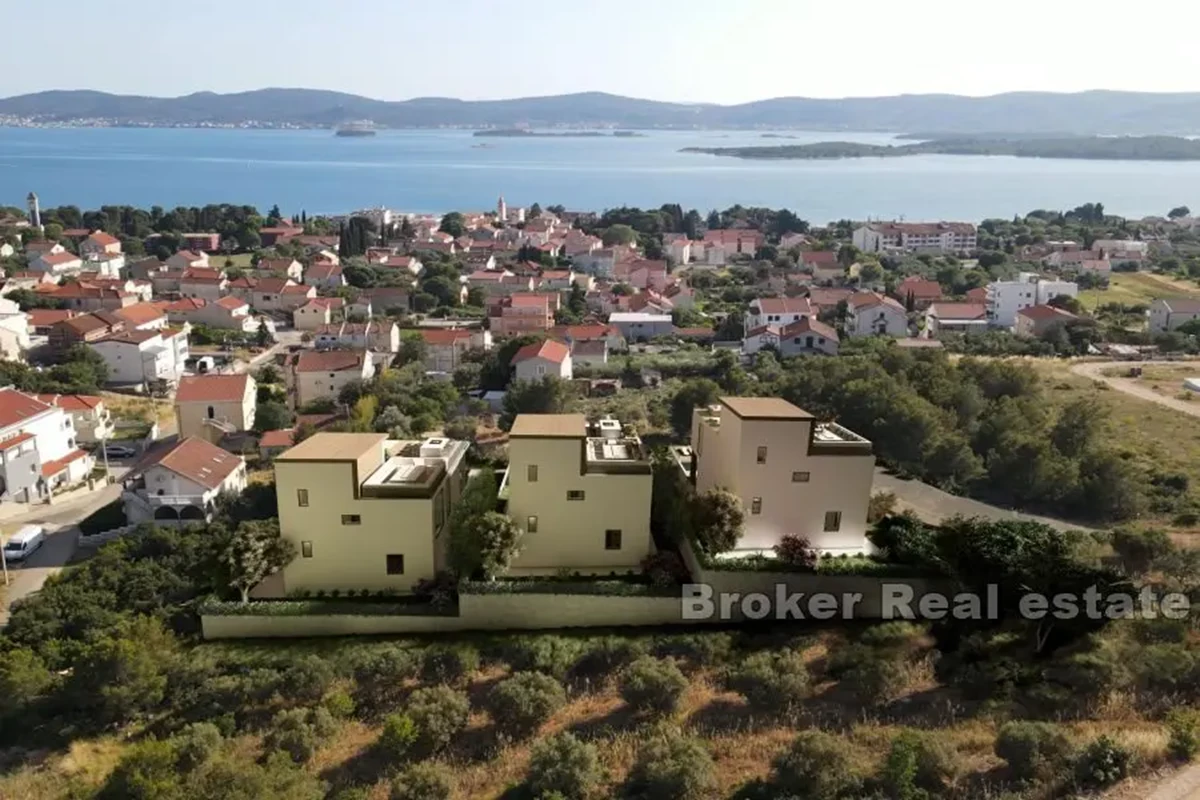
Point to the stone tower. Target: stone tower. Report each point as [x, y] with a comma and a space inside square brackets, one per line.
[35, 211]
[502, 210]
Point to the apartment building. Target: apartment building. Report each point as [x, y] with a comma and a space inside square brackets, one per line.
[793, 474]
[136, 358]
[1168, 313]
[321, 375]
[365, 512]
[941, 237]
[764, 311]
[445, 347]
[1006, 298]
[89, 416]
[581, 494]
[638, 326]
[522, 313]
[180, 483]
[212, 406]
[39, 449]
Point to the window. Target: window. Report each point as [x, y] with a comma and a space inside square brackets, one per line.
[395, 564]
[800, 477]
[833, 521]
[612, 540]
[351, 519]
[762, 455]
[302, 498]
[211, 413]
[531, 525]
[306, 549]
[575, 494]
[531, 473]
[439, 510]
[756, 505]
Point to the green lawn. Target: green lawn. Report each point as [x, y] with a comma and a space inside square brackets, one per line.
[240, 260]
[1134, 288]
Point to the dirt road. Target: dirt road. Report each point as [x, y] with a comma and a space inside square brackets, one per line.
[1095, 371]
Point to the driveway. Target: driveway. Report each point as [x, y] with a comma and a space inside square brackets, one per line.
[1095, 370]
[933, 505]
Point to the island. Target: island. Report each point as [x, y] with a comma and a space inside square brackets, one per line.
[1109, 148]
[524, 133]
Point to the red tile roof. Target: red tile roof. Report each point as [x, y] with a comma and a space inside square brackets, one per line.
[55, 259]
[71, 402]
[272, 285]
[808, 325]
[284, 438]
[186, 304]
[869, 299]
[331, 361]
[584, 332]
[44, 317]
[16, 407]
[783, 305]
[202, 275]
[198, 461]
[919, 288]
[141, 313]
[59, 464]
[232, 303]
[103, 239]
[945, 311]
[276, 264]
[212, 388]
[444, 336]
[547, 349]
[13, 441]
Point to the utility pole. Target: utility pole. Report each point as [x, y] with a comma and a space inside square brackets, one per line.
[3, 561]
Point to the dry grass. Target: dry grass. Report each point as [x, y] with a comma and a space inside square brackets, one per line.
[139, 409]
[1137, 288]
[78, 772]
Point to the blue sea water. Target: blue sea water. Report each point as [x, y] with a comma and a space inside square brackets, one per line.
[444, 170]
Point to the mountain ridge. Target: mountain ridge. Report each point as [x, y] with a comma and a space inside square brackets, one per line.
[1090, 112]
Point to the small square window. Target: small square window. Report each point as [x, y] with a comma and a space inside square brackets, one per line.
[762, 455]
[800, 477]
[575, 494]
[302, 498]
[756, 505]
[531, 473]
[306, 549]
[612, 540]
[351, 519]
[531, 525]
[833, 521]
[395, 564]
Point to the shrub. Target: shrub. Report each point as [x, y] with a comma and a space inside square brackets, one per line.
[795, 551]
[876, 681]
[291, 732]
[380, 677]
[565, 765]
[895, 635]
[671, 766]
[603, 657]
[422, 781]
[1102, 763]
[439, 713]
[665, 568]
[1032, 750]
[553, 655]
[307, 680]
[146, 771]
[450, 664]
[651, 684]
[1184, 726]
[881, 504]
[917, 766]
[522, 703]
[398, 736]
[196, 744]
[339, 704]
[815, 767]
[717, 518]
[697, 649]
[771, 681]
[322, 722]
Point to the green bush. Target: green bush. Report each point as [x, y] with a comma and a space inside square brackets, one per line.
[449, 663]
[815, 767]
[439, 713]
[291, 733]
[651, 684]
[876, 681]
[424, 781]
[1184, 726]
[553, 655]
[565, 765]
[708, 649]
[671, 766]
[339, 704]
[398, 736]
[146, 771]
[1032, 750]
[771, 682]
[1102, 763]
[196, 744]
[308, 679]
[379, 677]
[918, 766]
[522, 703]
[603, 657]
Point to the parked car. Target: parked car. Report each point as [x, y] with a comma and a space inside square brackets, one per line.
[119, 451]
[24, 543]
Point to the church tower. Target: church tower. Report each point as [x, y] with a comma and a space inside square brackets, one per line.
[35, 211]
[502, 210]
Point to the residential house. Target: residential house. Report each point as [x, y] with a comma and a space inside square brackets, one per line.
[142, 291]
[325, 276]
[1006, 298]
[955, 318]
[1122, 246]
[14, 331]
[57, 264]
[280, 268]
[323, 375]
[392, 499]
[242, 288]
[227, 314]
[765, 311]
[600, 263]
[138, 358]
[871, 314]
[210, 407]
[280, 294]
[282, 232]
[805, 336]
[556, 280]
[208, 284]
[1036, 320]
[1168, 313]
[39, 450]
[918, 292]
[143, 316]
[792, 240]
[41, 320]
[639, 326]
[317, 312]
[201, 242]
[1071, 259]
[793, 474]
[26, 280]
[588, 332]
[580, 493]
[84, 329]
[540, 359]
[272, 443]
[444, 347]
[386, 301]
[106, 265]
[679, 295]
[824, 266]
[41, 248]
[99, 244]
[186, 259]
[180, 484]
[86, 297]
[89, 416]
[522, 313]
[480, 261]
[410, 264]
[734, 241]
[827, 299]
[643, 274]
[500, 283]
[677, 248]
[940, 237]
[375, 335]
[591, 353]
[1101, 267]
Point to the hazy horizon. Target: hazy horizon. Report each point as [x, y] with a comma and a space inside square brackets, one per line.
[683, 51]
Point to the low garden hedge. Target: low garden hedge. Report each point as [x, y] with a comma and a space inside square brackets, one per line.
[324, 607]
[635, 586]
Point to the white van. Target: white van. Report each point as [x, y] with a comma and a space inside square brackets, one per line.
[24, 542]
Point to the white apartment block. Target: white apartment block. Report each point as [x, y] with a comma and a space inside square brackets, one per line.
[1168, 313]
[943, 237]
[138, 357]
[1006, 298]
[39, 449]
[793, 474]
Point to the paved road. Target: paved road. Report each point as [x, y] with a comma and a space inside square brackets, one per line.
[933, 505]
[1095, 371]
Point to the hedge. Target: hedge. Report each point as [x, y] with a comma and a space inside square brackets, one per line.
[324, 607]
[867, 566]
[575, 586]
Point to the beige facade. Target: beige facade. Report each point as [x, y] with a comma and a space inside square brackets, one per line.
[366, 512]
[793, 474]
[323, 375]
[211, 406]
[580, 493]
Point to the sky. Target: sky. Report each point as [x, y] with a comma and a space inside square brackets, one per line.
[720, 51]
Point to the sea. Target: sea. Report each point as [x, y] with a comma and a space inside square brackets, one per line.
[443, 170]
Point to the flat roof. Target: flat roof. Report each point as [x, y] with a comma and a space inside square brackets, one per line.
[764, 408]
[558, 426]
[333, 447]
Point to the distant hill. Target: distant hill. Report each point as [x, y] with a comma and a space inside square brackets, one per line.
[1096, 112]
